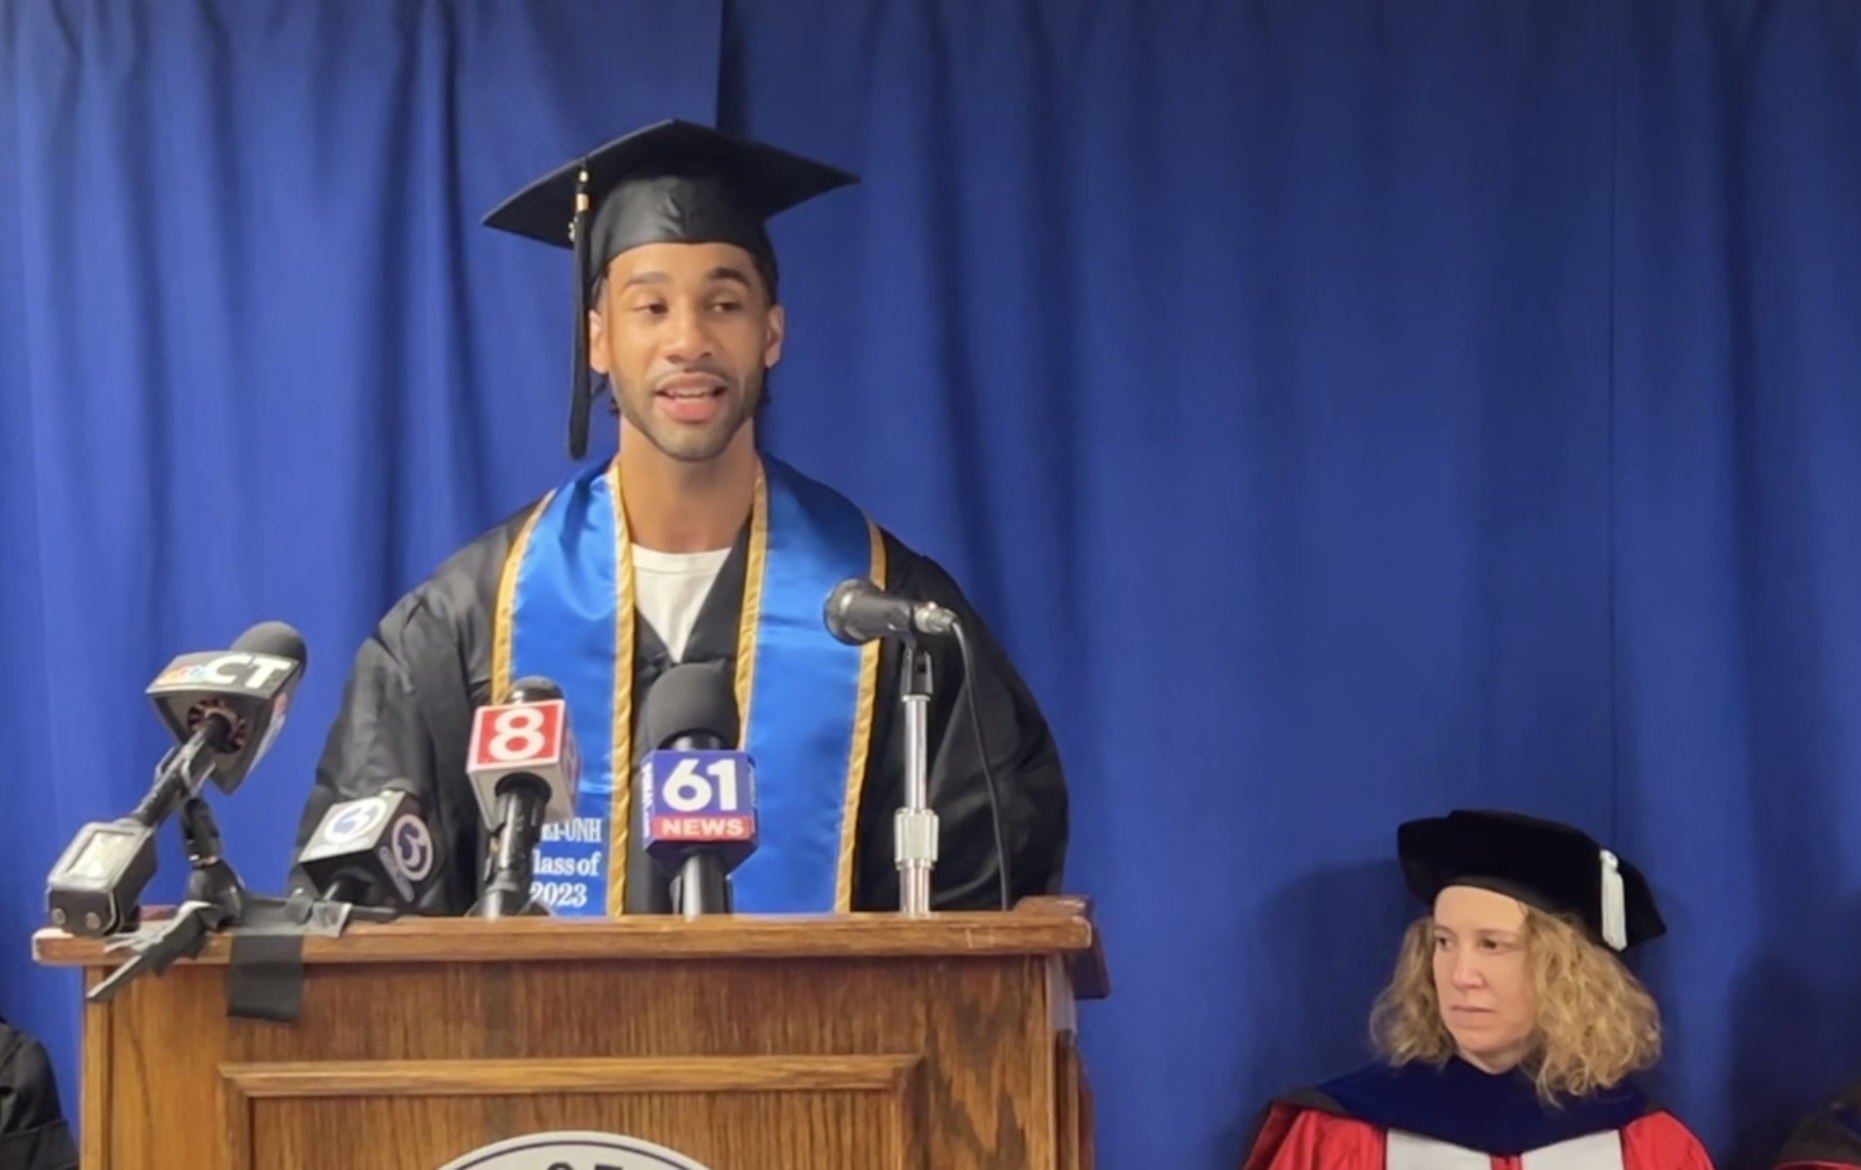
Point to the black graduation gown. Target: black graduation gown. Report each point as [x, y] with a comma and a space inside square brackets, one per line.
[1830, 1136]
[406, 712]
[34, 1134]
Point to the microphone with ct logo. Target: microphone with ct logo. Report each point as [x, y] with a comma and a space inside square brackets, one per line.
[225, 707]
[372, 851]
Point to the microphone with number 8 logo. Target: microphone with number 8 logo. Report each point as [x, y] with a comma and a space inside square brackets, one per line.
[525, 769]
[697, 795]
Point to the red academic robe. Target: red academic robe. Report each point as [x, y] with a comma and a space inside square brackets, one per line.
[1459, 1118]
[1827, 1139]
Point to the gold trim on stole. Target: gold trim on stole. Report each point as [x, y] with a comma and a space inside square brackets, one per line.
[863, 716]
[620, 757]
[749, 618]
[502, 623]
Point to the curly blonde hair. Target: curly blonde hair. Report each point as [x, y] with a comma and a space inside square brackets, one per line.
[1596, 1024]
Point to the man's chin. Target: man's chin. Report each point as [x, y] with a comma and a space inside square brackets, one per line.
[709, 453]
[692, 444]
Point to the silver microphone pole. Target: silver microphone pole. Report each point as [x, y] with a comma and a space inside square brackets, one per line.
[915, 825]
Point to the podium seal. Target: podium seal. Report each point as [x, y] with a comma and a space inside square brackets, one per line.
[573, 1151]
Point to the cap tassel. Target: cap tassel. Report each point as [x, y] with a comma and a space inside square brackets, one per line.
[1615, 910]
[581, 396]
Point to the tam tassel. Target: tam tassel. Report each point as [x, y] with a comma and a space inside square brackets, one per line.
[581, 396]
[1615, 911]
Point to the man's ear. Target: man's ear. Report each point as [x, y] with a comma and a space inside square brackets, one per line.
[773, 331]
[597, 341]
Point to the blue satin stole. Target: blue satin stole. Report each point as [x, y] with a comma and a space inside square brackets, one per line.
[805, 700]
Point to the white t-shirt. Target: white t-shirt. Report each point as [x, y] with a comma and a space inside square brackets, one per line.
[669, 589]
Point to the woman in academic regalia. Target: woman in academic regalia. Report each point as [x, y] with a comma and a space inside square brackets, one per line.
[1511, 1031]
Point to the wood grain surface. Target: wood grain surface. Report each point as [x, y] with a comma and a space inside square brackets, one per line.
[857, 1042]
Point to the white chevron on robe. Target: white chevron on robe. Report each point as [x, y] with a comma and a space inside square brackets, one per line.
[1597, 1151]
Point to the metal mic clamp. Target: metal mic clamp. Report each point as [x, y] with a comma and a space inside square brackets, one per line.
[214, 900]
[914, 826]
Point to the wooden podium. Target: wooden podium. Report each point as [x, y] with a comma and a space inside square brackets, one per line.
[856, 1042]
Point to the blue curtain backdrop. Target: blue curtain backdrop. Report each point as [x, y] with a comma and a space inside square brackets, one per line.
[1344, 410]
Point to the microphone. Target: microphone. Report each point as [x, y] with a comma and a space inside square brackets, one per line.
[525, 770]
[373, 850]
[858, 611]
[225, 708]
[229, 705]
[697, 794]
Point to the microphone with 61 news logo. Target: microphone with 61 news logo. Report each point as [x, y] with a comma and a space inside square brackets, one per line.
[697, 797]
[699, 811]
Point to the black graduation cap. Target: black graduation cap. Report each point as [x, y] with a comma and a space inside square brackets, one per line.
[670, 182]
[1554, 867]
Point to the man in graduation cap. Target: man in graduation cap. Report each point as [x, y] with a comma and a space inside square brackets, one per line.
[1511, 1029]
[691, 546]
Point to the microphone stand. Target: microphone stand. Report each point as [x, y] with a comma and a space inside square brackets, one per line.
[511, 865]
[914, 827]
[701, 887]
[349, 899]
[215, 898]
